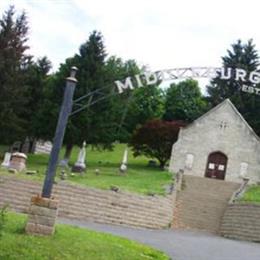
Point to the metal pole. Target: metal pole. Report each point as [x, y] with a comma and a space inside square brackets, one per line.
[65, 111]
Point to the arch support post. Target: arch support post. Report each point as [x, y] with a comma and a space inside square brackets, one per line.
[44, 209]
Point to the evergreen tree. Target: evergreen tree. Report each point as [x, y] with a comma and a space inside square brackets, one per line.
[117, 69]
[91, 78]
[94, 124]
[244, 56]
[36, 82]
[13, 64]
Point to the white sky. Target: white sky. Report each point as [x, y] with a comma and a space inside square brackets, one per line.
[162, 34]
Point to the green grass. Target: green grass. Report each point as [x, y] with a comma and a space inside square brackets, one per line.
[139, 178]
[252, 194]
[68, 243]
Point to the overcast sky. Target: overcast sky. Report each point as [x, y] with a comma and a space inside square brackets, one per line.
[162, 34]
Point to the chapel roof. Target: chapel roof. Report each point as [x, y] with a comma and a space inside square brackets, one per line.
[230, 104]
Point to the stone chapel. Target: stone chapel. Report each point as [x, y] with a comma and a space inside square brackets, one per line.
[220, 144]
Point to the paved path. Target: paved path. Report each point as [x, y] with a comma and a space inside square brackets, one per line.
[180, 244]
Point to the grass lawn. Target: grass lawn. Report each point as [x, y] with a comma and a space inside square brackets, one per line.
[140, 178]
[68, 243]
[252, 194]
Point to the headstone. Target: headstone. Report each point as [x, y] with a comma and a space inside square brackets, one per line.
[16, 147]
[63, 175]
[125, 156]
[18, 161]
[6, 161]
[14, 171]
[26, 146]
[80, 165]
[123, 166]
[152, 163]
[43, 147]
[114, 188]
[64, 163]
[31, 172]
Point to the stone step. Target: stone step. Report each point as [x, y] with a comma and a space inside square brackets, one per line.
[197, 207]
[202, 203]
[199, 214]
[210, 186]
[221, 191]
[192, 221]
[202, 199]
[242, 234]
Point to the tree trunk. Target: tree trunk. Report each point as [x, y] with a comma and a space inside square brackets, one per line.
[33, 142]
[68, 151]
[162, 164]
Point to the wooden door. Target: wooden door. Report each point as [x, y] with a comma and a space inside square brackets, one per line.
[216, 166]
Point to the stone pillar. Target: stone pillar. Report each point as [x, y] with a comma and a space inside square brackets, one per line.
[42, 216]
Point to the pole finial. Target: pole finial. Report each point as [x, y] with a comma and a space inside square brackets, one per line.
[73, 71]
[72, 76]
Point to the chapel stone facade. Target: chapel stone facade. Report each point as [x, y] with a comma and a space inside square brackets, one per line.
[220, 144]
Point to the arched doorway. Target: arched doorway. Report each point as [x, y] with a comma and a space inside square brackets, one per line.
[216, 166]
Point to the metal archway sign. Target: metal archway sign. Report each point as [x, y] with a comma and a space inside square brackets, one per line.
[137, 81]
[150, 78]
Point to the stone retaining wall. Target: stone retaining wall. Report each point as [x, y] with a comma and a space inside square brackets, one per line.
[103, 206]
[242, 221]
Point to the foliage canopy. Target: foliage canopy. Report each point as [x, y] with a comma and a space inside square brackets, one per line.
[155, 139]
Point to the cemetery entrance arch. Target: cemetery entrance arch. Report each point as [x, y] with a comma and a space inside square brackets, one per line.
[146, 78]
[216, 166]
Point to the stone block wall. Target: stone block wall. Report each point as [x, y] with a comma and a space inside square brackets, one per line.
[242, 221]
[89, 204]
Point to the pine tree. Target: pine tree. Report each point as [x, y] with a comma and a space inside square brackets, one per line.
[13, 63]
[94, 124]
[36, 81]
[92, 78]
[243, 56]
[117, 69]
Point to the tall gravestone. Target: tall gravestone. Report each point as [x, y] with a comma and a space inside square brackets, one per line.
[80, 165]
[123, 166]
